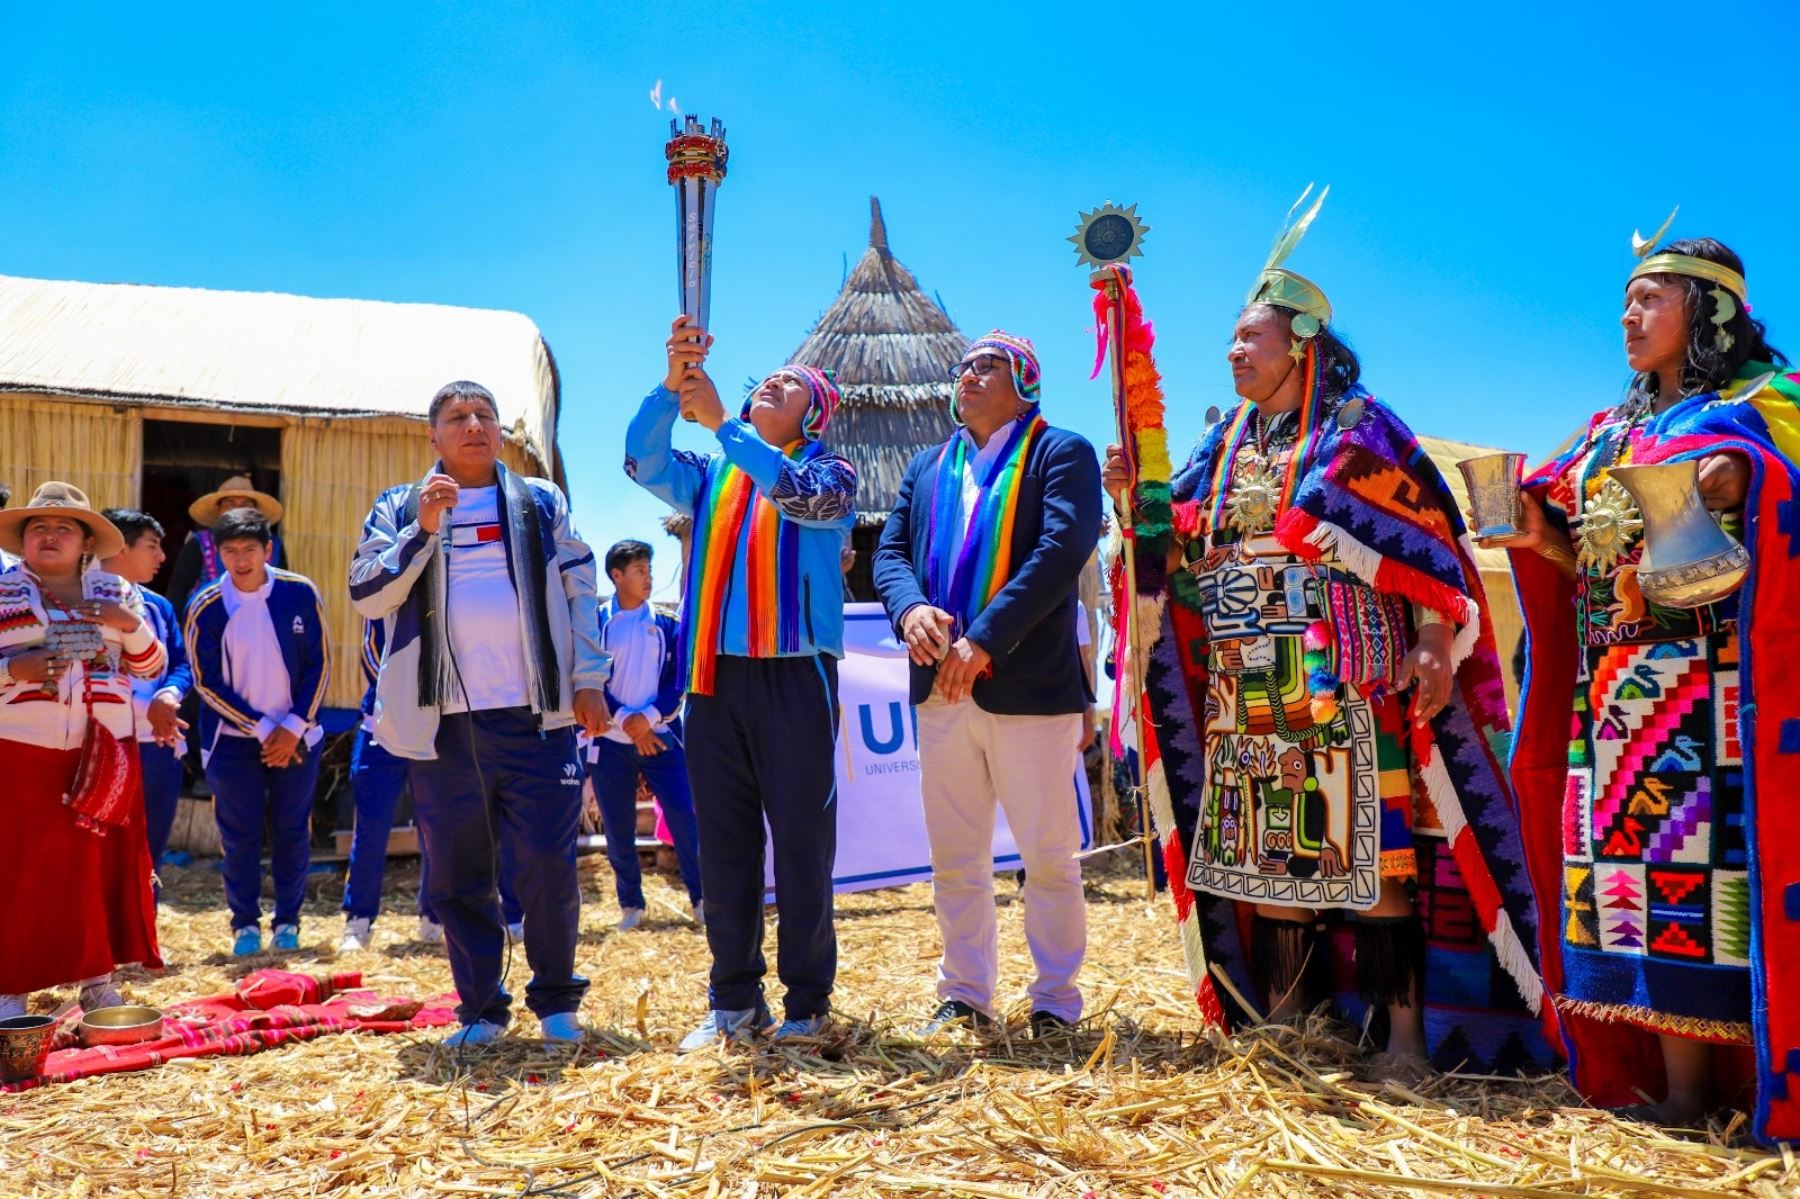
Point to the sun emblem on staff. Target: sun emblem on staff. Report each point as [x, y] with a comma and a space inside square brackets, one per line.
[1254, 496]
[1608, 524]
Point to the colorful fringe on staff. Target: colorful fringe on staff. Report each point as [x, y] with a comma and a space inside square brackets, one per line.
[1151, 534]
[1147, 444]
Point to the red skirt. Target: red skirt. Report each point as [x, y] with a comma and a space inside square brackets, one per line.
[72, 905]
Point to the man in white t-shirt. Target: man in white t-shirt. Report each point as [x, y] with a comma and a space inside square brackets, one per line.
[493, 659]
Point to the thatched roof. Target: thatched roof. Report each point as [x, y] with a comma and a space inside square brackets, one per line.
[892, 347]
[272, 353]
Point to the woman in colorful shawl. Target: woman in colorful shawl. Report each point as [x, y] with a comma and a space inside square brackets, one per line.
[1324, 575]
[1672, 895]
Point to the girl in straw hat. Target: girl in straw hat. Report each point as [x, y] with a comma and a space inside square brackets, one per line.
[75, 897]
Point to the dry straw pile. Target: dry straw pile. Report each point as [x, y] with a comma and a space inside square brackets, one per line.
[1139, 1104]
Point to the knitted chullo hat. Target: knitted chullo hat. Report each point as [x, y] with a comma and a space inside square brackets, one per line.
[821, 385]
[1023, 356]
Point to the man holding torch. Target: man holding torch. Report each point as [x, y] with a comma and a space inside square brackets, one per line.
[762, 630]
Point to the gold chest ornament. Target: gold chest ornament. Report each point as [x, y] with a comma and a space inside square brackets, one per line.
[1255, 493]
[1608, 525]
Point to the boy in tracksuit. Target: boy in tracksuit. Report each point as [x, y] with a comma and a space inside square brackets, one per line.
[642, 694]
[257, 642]
[763, 628]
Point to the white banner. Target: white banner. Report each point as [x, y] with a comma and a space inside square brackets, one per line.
[881, 818]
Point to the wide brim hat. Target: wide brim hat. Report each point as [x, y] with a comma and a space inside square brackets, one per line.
[60, 499]
[205, 510]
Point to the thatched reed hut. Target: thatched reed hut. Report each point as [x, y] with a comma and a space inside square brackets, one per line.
[892, 347]
[150, 396]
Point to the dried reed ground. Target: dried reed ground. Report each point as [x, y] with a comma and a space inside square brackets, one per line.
[1140, 1104]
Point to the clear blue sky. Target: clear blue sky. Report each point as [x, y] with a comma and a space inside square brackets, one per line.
[1488, 165]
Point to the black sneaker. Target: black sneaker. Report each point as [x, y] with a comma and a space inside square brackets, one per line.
[1046, 1026]
[952, 1012]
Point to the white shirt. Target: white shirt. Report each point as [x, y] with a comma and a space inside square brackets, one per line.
[636, 649]
[974, 468]
[254, 667]
[1083, 637]
[486, 642]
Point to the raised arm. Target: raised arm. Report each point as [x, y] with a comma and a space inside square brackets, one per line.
[391, 557]
[819, 491]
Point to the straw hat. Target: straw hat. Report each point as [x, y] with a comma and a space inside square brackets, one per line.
[60, 499]
[205, 510]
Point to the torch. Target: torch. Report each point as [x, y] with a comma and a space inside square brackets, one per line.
[696, 156]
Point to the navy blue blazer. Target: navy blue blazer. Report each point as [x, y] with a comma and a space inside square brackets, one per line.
[1029, 627]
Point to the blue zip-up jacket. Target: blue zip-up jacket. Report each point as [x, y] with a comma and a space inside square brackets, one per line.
[299, 618]
[817, 494]
[670, 686]
[179, 677]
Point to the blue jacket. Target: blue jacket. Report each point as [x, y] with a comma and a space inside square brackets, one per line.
[400, 574]
[670, 686]
[1029, 626]
[818, 494]
[299, 618]
[179, 677]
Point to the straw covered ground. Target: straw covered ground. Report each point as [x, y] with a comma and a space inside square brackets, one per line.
[1139, 1105]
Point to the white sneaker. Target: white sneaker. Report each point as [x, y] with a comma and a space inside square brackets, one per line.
[629, 918]
[723, 1025]
[563, 1026]
[481, 1032]
[430, 931]
[516, 931]
[356, 935]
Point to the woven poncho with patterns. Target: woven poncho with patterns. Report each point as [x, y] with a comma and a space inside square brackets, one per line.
[1663, 850]
[1370, 498]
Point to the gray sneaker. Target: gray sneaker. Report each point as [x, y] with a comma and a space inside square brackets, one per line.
[721, 1025]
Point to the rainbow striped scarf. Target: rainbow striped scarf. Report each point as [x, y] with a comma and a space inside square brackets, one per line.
[983, 563]
[729, 505]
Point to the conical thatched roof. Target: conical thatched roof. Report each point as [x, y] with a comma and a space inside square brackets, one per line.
[892, 347]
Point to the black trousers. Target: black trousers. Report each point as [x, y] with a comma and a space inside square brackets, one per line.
[762, 746]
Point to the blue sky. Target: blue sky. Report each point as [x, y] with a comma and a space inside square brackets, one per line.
[1488, 166]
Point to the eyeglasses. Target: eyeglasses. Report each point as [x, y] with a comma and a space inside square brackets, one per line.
[981, 364]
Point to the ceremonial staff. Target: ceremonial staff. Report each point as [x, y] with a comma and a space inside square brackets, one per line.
[696, 156]
[1106, 239]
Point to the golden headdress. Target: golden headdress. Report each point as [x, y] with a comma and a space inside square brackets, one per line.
[1729, 288]
[1276, 285]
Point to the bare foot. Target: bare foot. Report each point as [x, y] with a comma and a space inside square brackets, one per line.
[1407, 1069]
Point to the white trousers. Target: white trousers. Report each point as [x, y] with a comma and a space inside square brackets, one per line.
[968, 760]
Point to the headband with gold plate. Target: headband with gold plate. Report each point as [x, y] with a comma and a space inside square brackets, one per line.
[1729, 288]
